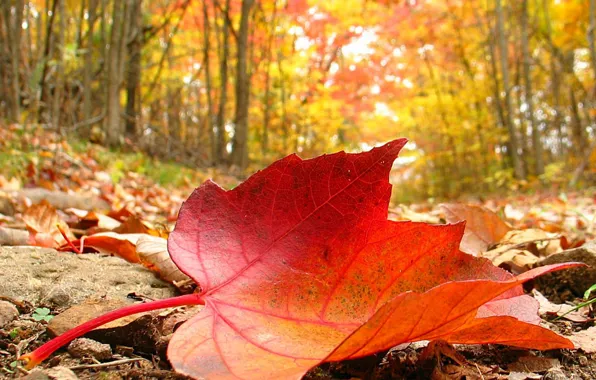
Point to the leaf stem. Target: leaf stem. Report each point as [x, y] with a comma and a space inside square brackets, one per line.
[68, 241]
[40, 354]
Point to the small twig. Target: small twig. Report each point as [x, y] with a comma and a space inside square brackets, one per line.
[104, 365]
[18, 304]
[479, 371]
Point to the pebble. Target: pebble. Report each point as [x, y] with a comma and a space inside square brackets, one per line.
[84, 347]
[8, 313]
[55, 373]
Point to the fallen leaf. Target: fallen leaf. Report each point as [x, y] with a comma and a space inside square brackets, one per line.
[519, 250]
[114, 244]
[523, 376]
[153, 254]
[403, 212]
[132, 225]
[483, 227]
[519, 260]
[299, 265]
[585, 340]
[564, 310]
[532, 363]
[45, 225]
[93, 219]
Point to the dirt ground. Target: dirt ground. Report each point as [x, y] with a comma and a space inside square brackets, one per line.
[438, 360]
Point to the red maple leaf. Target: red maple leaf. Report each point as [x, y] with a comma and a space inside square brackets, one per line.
[299, 265]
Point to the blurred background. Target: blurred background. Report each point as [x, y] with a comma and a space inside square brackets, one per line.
[494, 95]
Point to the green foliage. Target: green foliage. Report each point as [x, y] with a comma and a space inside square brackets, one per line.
[582, 304]
[590, 290]
[13, 333]
[42, 314]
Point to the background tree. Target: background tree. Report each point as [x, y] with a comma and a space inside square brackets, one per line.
[493, 95]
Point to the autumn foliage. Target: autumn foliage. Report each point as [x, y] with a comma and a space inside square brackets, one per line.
[299, 265]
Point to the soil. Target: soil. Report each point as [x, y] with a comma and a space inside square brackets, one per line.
[138, 354]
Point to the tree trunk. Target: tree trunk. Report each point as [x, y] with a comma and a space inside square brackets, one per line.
[208, 89]
[14, 38]
[267, 96]
[5, 96]
[513, 139]
[555, 80]
[47, 53]
[79, 23]
[591, 38]
[59, 83]
[116, 52]
[536, 141]
[133, 81]
[239, 143]
[577, 128]
[220, 142]
[283, 97]
[88, 69]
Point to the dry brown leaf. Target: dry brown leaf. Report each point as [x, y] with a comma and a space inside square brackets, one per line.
[532, 363]
[403, 212]
[519, 259]
[547, 307]
[132, 225]
[519, 250]
[483, 227]
[101, 220]
[153, 253]
[585, 340]
[44, 225]
[537, 241]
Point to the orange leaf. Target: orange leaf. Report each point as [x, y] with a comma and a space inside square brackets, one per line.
[44, 224]
[483, 227]
[111, 243]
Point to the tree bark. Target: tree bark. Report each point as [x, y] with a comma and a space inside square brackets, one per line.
[14, 33]
[220, 143]
[116, 52]
[267, 96]
[283, 97]
[135, 46]
[239, 143]
[59, 83]
[555, 80]
[513, 139]
[208, 89]
[88, 69]
[591, 38]
[536, 140]
[47, 52]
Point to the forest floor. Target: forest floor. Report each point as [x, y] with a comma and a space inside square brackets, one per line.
[90, 189]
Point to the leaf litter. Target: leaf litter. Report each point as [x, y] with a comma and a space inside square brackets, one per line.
[118, 207]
